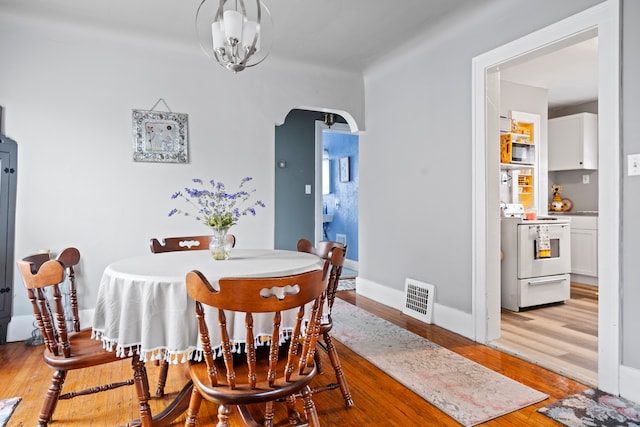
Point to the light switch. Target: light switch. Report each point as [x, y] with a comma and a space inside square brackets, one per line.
[307, 189]
[585, 179]
[633, 164]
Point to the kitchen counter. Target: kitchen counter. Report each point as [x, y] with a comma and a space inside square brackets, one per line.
[574, 213]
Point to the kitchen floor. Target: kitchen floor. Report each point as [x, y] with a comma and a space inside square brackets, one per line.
[559, 337]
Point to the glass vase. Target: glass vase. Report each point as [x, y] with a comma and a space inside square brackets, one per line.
[220, 246]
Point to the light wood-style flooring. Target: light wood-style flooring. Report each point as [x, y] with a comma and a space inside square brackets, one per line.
[379, 400]
[560, 337]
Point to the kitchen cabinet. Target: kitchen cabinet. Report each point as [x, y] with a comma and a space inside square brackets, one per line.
[584, 245]
[573, 142]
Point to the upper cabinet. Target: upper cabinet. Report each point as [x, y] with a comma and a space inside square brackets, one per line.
[573, 142]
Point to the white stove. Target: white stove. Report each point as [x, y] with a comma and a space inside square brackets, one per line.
[529, 276]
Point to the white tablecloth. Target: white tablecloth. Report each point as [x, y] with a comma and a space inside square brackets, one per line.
[143, 303]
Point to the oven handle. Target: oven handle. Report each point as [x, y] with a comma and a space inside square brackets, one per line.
[550, 226]
[546, 281]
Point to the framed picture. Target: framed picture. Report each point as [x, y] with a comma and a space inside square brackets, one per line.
[344, 169]
[159, 136]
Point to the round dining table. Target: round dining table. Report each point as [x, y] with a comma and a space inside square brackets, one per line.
[143, 306]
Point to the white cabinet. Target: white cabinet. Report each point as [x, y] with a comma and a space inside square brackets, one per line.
[584, 245]
[573, 142]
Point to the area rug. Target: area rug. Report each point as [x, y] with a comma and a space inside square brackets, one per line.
[466, 391]
[7, 406]
[346, 284]
[594, 408]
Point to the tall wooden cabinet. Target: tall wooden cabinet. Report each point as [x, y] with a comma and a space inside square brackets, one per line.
[8, 165]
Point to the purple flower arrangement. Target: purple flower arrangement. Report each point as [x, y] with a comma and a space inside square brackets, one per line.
[214, 206]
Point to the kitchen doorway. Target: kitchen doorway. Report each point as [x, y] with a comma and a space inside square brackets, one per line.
[604, 19]
[561, 336]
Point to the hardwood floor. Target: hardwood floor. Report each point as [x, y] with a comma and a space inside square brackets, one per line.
[560, 337]
[379, 400]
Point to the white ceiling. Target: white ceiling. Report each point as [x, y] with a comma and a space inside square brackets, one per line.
[350, 34]
[342, 33]
[570, 74]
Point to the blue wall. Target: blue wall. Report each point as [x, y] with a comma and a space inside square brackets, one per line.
[294, 209]
[342, 202]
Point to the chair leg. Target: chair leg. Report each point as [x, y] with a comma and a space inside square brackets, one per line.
[142, 390]
[294, 415]
[268, 414]
[223, 416]
[310, 407]
[316, 358]
[162, 378]
[335, 362]
[194, 408]
[51, 399]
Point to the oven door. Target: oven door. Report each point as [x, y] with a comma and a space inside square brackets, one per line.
[530, 264]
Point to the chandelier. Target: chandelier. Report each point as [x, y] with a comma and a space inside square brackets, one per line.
[232, 33]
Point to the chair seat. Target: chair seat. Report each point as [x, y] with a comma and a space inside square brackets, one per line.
[85, 352]
[242, 394]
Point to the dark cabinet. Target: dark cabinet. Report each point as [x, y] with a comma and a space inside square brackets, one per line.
[8, 165]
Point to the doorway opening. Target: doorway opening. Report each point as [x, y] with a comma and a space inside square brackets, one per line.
[337, 172]
[301, 208]
[553, 321]
[603, 18]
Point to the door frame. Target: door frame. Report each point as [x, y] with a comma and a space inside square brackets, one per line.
[605, 18]
[320, 128]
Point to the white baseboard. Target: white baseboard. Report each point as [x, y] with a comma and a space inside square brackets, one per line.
[351, 264]
[21, 327]
[443, 316]
[587, 280]
[630, 383]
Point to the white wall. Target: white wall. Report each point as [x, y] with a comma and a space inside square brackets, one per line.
[416, 157]
[630, 233]
[68, 94]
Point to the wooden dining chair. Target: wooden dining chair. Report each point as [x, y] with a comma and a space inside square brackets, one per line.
[174, 244]
[334, 254]
[244, 377]
[185, 243]
[67, 350]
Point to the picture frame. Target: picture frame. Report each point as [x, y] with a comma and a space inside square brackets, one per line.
[160, 136]
[344, 169]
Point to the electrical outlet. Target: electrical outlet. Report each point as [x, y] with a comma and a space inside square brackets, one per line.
[633, 164]
[585, 179]
[307, 189]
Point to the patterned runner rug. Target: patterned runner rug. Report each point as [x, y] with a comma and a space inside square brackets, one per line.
[346, 284]
[7, 406]
[594, 408]
[463, 389]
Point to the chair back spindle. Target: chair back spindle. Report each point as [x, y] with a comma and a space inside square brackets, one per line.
[244, 376]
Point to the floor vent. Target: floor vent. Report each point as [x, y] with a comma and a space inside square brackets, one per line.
[419, 300]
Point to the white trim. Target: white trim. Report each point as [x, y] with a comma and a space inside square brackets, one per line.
[21, 327]
[605, 18]
[349, 263]
[630, 383]
[446, 317]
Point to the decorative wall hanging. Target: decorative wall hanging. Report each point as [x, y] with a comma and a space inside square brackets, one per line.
[159, 136]
[344, 169]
